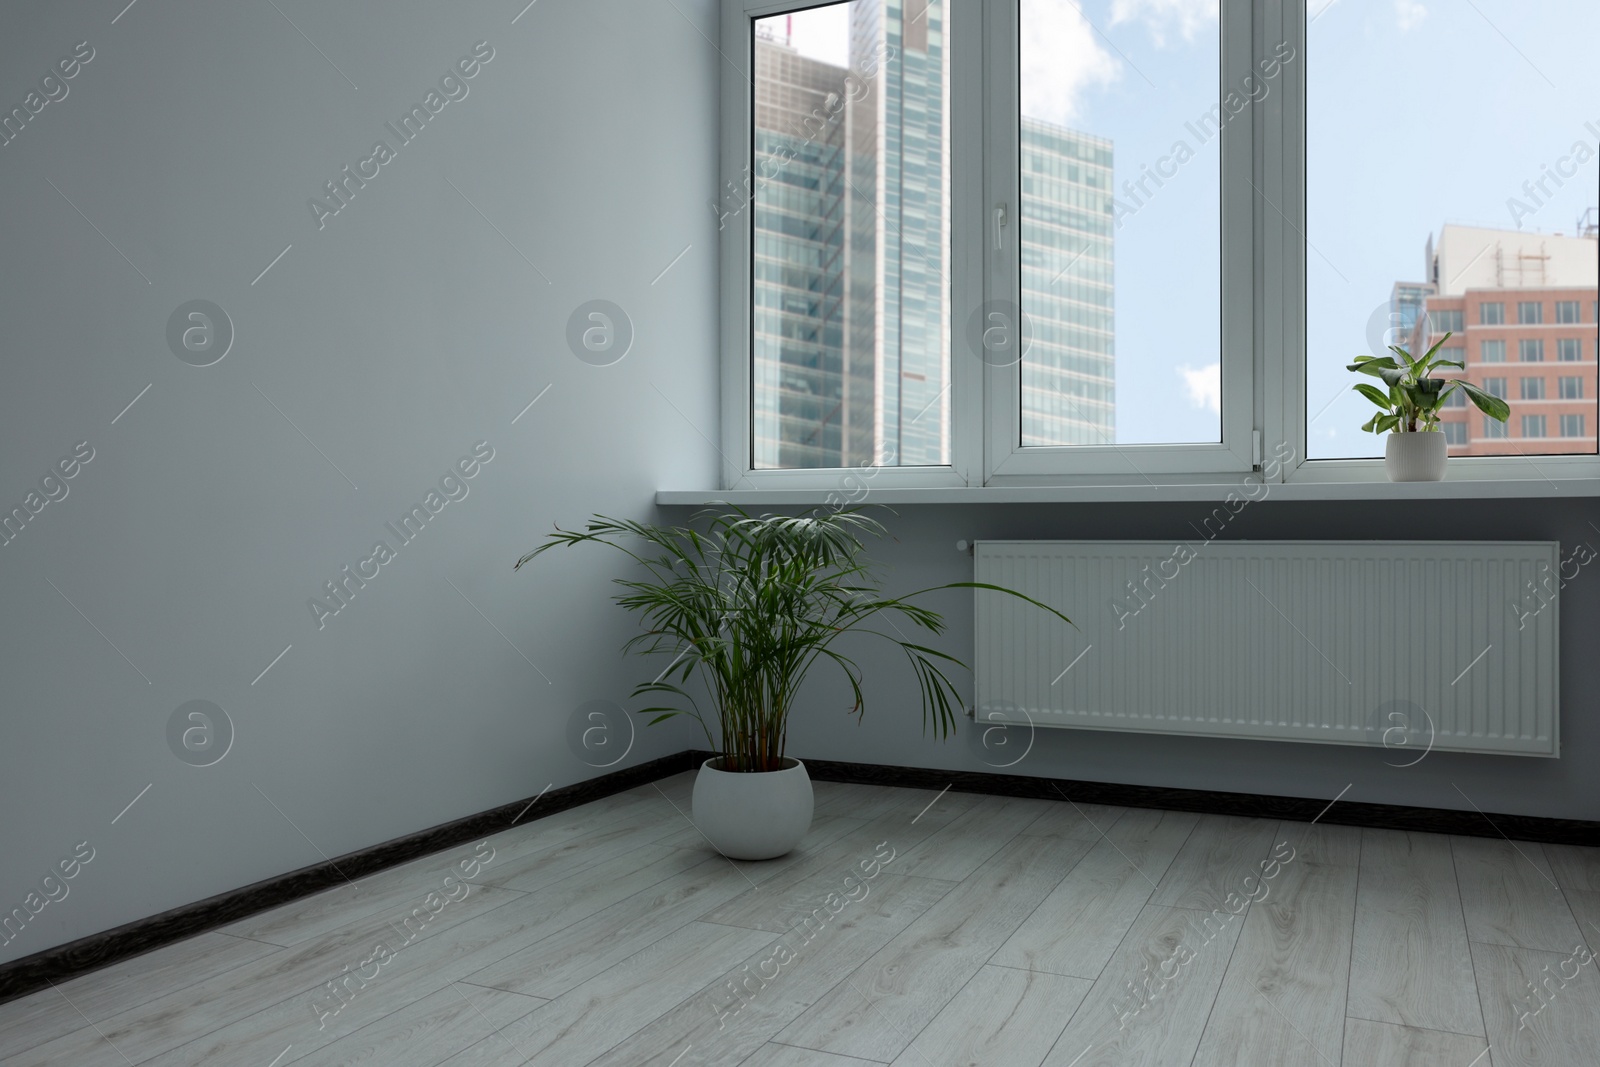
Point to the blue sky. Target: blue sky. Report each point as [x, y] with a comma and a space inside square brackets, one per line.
[1420, 112]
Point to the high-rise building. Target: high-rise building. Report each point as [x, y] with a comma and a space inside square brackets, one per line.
[851, 319]
[1521, 309]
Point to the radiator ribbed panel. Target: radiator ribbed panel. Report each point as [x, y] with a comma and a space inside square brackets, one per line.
[1401, 644]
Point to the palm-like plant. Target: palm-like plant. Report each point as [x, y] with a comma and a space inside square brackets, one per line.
[751, 605]
[1414, 396]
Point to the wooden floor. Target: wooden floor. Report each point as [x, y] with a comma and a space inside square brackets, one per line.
[911, 929]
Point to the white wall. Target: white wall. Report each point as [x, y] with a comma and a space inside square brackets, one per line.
[394, 337]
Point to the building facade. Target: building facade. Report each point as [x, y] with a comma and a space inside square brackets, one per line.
[852, 327]
[1521, 309]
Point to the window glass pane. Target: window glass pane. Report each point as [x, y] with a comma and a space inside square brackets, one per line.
[1571, 388]
[1572, 426]
[1533, 425]
[1455, 433]
[1517, 82]
[1533, 388]
[1120, 221]
[1569, 349]
[850, 204]
[1567, 310]
[1495, 387]
[1493, 427]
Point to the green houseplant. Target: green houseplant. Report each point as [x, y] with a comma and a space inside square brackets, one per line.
[1408, 408]
[748, 605]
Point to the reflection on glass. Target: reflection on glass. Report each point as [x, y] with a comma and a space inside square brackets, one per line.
[849, 195]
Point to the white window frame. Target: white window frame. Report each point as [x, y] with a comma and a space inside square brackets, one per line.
[1263, 280]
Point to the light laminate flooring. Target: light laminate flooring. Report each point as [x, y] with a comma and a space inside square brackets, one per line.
[912, 928]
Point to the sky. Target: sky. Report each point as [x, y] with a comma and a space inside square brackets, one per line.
[1419, 112]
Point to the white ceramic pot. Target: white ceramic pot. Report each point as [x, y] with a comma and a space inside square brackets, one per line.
[757, 815]
[1415, 457]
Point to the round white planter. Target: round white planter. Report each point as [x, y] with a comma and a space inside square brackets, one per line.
[1415, 457]
[753, 816]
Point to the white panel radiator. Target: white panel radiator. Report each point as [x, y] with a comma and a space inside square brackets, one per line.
[1409, 645]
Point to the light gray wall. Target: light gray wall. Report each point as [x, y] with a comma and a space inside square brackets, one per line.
[923, 554]
[394, 338]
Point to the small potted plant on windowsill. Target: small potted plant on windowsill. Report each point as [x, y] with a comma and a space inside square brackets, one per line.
[750, 605]
[1409, 409]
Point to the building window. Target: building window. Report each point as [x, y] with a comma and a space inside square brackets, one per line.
[1445, 320]
[1455, 433]
[1455, 399]
[1495, 387]
[1567, 311]
[1532, 388]
[1531, 350]
[1569, 349]
[1570, 389]
[1491, 313]
[1492, 351]
[1572, 426]
[1533, 426]
[1493, 427]
[1529, 312]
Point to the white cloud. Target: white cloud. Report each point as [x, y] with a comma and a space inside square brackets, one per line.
[1409, 13]
[1159, 16]
[1061, 59]
[1204, 386]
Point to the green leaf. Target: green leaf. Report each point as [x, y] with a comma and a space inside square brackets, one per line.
[1373, 393]
[1487, 403]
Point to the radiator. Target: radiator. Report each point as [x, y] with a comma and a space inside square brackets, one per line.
[1413, 646]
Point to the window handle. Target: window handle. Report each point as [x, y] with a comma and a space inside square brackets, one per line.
[999, 224]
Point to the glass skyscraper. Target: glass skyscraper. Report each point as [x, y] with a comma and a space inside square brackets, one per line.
[851, 319]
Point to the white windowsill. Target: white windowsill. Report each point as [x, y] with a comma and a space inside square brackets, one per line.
[1462, 489]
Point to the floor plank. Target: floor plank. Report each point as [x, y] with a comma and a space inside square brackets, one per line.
[1510, 896]
[1554, 1025]
[877, 1010]
[1370, 1044]
[1282, 1002]
[1125, 1023]
[434, 1028]
[1003, 1016]
[1082, 822]
[964, 845]
[1079, 925]
[1410, 964]
[49, 1014]
[1218, 855]
[588, 1021]
[566, 959]
[1574, 866]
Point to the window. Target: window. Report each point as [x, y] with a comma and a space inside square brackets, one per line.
[1057, 242]
[1533, 425]
[1571, 389]
[1493, 427]
[1495, 387]
[1456, 399]
[1455, 433]
[1445, 320]
[1572, 426]
[1532, 389]
[850, 361]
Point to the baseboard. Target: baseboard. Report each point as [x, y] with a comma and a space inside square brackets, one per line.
[32, 973]
[1299, 809]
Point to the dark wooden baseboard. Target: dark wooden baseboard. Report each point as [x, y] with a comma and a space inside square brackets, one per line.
[1300, 809]
[32, 973]
[35, 972]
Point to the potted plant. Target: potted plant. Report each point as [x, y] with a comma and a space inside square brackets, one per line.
[1409, 409]
[750, 605]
